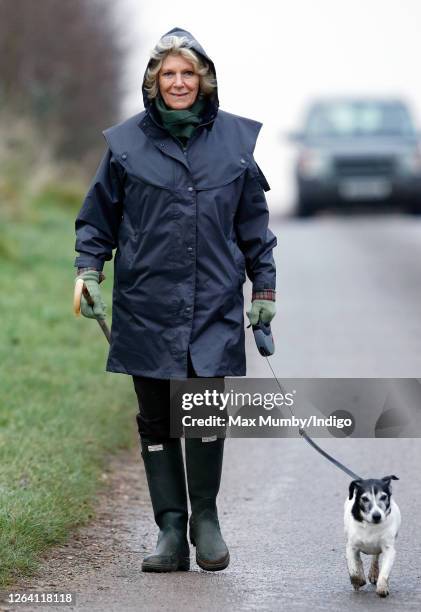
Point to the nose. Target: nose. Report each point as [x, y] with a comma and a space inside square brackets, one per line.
[376, 516]
[178, 80]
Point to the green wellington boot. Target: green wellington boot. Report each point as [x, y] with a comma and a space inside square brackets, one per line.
[204, 469]
[164, 468]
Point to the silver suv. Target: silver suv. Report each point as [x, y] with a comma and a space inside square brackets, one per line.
[358, 151]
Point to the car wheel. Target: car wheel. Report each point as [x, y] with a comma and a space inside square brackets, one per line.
[414, 207]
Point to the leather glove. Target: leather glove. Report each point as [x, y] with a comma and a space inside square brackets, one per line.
[91, 279]
[261, 310]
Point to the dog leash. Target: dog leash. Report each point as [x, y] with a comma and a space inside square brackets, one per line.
[265, 344]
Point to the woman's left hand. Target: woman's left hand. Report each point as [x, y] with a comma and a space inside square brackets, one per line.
[261, 310]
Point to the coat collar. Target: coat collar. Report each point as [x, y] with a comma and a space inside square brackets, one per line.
[214, 158]
[152, 128]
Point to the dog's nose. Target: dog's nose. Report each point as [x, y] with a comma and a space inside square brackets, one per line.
[376, 516]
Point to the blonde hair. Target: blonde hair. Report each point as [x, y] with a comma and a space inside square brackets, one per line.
[177, 45]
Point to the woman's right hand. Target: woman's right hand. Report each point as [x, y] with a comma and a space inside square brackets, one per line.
[91, 279]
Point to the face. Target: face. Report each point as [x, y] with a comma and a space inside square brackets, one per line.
[372, 499]
[178, 82]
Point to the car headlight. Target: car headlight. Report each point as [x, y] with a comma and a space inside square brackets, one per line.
[410, 163]
[313, 164]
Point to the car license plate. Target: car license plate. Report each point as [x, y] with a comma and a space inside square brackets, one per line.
[358, 189]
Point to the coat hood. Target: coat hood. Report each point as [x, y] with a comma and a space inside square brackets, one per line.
[193, 44]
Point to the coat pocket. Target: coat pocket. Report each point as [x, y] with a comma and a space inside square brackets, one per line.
[239, 259]
[125, 255]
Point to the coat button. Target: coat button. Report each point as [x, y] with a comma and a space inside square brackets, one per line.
[189, 249]
[190, 188]
[124, 156]
[188, 309]
[242, 160]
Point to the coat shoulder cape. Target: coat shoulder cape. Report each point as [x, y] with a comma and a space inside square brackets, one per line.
[215, 158]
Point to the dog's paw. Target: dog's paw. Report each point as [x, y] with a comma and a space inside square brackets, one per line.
[373, 574]
[358, 581]
[382, 588]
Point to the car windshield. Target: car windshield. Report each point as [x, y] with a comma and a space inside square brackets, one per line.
[341, 119]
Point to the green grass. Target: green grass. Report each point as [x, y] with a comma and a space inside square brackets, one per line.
[60, 413]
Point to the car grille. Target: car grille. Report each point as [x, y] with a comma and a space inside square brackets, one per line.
[364, 166]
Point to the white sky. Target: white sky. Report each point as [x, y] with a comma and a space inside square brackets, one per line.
[271, 57]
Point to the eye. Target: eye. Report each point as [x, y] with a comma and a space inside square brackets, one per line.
[364, 498]
[188, 73]
[383, 497]
[167, 74]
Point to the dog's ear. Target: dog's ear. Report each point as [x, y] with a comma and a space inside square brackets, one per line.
[352, 486]
[389, 478]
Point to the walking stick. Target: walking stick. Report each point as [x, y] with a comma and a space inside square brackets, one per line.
[80, 288]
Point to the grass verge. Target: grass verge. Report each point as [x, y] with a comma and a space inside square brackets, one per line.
[60, 413]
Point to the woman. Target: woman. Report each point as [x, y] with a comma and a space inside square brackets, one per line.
[180, 197]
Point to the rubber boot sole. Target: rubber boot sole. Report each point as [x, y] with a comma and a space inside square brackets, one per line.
[182, 565]
[210, 566]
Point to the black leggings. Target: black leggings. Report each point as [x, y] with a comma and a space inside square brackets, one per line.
[153, 396]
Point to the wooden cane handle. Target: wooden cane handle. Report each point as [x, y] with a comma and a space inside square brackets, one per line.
[77, 296]
[80, 288]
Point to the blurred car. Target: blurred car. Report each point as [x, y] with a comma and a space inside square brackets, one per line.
[354, 151]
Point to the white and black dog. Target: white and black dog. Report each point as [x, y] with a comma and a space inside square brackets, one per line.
[372, 520]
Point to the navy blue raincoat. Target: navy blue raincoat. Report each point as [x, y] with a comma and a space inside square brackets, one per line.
[186, 226]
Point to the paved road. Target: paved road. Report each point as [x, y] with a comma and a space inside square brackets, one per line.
[281, 512]
[349, 300]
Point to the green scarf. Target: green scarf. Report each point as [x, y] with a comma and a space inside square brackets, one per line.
[180, 123]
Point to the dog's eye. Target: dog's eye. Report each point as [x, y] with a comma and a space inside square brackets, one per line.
[364, 498]
[383, 497]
